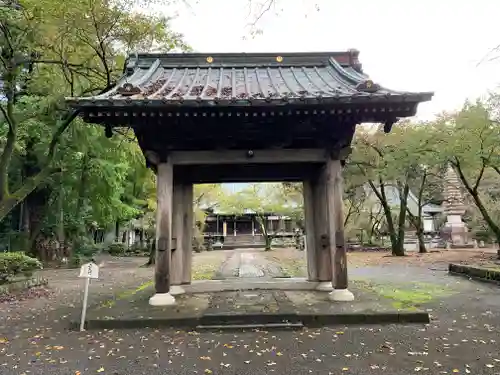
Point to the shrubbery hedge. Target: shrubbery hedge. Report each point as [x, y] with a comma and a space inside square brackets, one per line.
[14, 264]
[117, 249]
[121, 249]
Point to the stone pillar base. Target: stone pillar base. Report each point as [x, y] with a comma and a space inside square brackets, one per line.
[175, 290]
[162, 299]
[341, 295]
[324, 286]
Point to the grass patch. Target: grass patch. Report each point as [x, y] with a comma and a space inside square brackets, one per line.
[125, 295]
[293, 268]
[408, 296]
[290, 267]
[494, 268]
[204, 272]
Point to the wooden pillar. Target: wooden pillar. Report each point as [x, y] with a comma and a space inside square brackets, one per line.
[187, 241]
[163, 235]
[177, 238]
[337, 246]
[321, 224]
[311, 251]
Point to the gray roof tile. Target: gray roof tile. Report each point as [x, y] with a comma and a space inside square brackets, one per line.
[244, 80]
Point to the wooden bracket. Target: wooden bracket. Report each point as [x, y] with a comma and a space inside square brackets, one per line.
[152, 157]
[339, 239]
[162, 244]
[324, 241]
[341, 153]
[174, 244]
[388, 125]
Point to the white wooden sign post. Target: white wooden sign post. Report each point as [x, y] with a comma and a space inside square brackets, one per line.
[87, 271]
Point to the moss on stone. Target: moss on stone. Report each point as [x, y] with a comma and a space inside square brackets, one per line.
[407, 296]
[125, 295]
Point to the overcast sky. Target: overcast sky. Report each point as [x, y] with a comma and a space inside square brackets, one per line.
[426, 45]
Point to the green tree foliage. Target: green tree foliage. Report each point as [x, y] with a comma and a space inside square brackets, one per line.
[399, 160]
[69, 179]
[206, 198]
[469, 142]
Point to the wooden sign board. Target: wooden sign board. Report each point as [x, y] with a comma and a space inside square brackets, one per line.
[89, 271]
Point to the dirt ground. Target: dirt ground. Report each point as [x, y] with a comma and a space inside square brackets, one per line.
[461, 339]
[484, 257]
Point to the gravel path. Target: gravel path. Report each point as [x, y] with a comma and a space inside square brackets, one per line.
[248, 263]
[463, 338]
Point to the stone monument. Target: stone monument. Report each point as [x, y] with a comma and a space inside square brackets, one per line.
[454, 208]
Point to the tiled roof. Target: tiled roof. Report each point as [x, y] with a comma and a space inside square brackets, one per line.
[245, 80]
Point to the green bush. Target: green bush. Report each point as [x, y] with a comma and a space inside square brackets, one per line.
[117, 249]
[16, 264]
[90, 250]
[483, 235]
[86, 247]
[77, 260]
[138, 249]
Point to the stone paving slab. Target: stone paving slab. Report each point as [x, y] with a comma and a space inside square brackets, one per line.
[310, 308]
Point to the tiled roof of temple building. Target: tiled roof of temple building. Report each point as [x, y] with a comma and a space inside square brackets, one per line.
[209, 80]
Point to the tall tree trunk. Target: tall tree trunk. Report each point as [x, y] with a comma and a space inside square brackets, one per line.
[417, 223]
[382, 197]
[9, 80]
[473, 191]
[39, 202]
[152, 254]
[268, 238]
[117, 231]
[421, 242]
[26, 228]
[420, 224]
[60, 222]
[403, 205]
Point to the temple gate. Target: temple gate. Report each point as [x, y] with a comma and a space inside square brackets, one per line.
[211, 118]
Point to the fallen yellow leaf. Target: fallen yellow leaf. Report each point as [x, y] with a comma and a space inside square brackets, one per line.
[455, 370]
[205, 358]
[207, 371]
[279, 354]
[3, 341]
[101, 369]
[345, 368]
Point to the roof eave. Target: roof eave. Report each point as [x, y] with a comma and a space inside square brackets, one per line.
[408, 98]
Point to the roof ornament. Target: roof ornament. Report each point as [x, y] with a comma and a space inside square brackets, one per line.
[388, 125]
[210, 59]
[279, 58]
[354, 60]
[368, 86]
[130, 63]
[128, 89]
